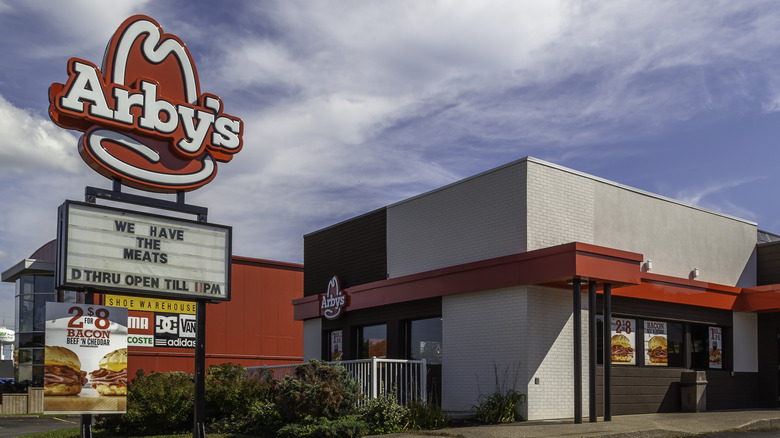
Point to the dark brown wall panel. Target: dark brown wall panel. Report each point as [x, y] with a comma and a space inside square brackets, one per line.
[768, 267]
[355, 250]
[623, 306]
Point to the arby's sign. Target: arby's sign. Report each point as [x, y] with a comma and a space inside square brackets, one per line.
[144, 118]
[334, 301]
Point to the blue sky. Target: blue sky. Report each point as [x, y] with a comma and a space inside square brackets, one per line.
[352, 105]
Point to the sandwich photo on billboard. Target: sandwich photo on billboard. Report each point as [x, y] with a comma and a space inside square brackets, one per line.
[111, 376]
[62, 374]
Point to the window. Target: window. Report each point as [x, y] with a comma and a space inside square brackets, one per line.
[658, 343]
[32, 294]
[335, 345]
[424, 340]
[373, 342]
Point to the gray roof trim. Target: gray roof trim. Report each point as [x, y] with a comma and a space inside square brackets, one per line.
[28, 267]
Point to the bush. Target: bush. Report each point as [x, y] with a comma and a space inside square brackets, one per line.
[157, 404]
[263, 420]
[318, 390]
[230, 395]
[383, 415]
[349, 426]
[429, 416]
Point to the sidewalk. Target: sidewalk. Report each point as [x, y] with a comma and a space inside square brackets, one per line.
[634, 426]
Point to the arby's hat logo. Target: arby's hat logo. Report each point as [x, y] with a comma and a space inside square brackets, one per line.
[333, 302]
[144, 118]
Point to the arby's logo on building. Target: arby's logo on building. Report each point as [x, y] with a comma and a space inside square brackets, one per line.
[144, 118]
[334, 301]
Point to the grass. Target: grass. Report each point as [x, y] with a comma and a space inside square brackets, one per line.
[73, 432]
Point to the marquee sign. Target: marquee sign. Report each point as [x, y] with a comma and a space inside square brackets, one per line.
[144, 118]
[110, 249]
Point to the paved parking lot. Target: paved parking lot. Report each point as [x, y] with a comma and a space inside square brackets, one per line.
[24, 425]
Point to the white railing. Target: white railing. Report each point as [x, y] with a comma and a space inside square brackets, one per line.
[405, 379]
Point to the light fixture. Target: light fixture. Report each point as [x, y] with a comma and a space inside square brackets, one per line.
[648, 266]
[695, 273]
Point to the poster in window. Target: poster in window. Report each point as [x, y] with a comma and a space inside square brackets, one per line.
[336, 349]
[85, 359]
[623, 341]
[377, 348]
[716, 348]
[656, 353]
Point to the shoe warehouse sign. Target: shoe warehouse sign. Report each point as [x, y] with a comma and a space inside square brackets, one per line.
[157, 322]
[110, 249]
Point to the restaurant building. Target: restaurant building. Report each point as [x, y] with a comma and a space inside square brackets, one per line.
[255, 328]
[510, 273]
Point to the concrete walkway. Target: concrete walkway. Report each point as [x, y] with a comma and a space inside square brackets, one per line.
[633, 426]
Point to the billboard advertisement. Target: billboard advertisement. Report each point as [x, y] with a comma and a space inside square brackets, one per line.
[85, 362]
[125, 251]
[155, 322]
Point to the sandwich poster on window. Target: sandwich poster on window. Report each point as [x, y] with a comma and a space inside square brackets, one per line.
[85, 362]
[336, 348]
[623, 341]
[656, 353]
[716, 348]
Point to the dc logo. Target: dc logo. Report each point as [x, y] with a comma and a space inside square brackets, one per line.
[166, 324]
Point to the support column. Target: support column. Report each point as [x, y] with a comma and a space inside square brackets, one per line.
[607, 352]
[592, 351]
[577, 312]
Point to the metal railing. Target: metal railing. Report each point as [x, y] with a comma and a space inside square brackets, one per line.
[404, 379]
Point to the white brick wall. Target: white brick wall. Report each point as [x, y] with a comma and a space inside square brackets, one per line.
[481, 330]
[475, 219]
[550, 353]
[527, 329]
[560, 207]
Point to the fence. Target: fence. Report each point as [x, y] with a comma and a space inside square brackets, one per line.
[405, 379]
[29, 403]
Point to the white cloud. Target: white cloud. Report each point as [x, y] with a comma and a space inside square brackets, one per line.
[698, 195]
[31, 142]
[82, 25]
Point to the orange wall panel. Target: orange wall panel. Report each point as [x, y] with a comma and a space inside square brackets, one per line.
[256, 327]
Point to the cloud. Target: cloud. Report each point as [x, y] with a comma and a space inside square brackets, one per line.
[352, 105]
[698, 195]
[31, 142]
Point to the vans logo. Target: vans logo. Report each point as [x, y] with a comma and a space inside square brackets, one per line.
[144, 118]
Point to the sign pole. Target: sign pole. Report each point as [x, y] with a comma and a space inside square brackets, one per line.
[200, 370]
[200, 356]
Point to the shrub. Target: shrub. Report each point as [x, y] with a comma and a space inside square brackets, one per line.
[231, 395]
[158, 403]
[263, 420]
[383, 414]
[318, 390]
[349, 426]
[428, 416]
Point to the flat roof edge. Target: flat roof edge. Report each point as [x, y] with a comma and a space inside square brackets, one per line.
[27, 267]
